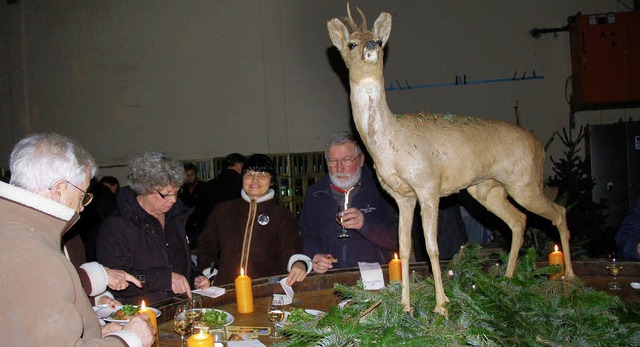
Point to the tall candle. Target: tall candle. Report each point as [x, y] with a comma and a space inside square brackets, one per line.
[152, 319]
[556, 258]
[395, 269]
[200, 340]
[244, 293]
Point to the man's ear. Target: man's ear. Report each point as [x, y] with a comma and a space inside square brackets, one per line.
[57, 190]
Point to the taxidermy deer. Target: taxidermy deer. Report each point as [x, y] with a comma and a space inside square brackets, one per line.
[422, 157]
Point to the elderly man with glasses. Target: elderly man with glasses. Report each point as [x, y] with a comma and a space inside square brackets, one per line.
[42, 300]
[345, 217]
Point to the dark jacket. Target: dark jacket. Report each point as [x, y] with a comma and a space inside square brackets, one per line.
[628, 235]
[226, 186]
[376, 241]
[134, 241]
[272, 244]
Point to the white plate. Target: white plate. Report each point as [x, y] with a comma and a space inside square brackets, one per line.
[104, 311]
[309, 311]
[230, 317]
[635, 285]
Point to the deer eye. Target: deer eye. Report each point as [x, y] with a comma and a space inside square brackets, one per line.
[352, 45]
[379, 42]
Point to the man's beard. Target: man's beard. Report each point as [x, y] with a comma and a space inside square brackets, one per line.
[346, 181]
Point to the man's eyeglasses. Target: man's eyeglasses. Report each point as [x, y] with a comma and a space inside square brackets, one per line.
[86, 197]
[164, 196]
[344, 161]
[261, 176]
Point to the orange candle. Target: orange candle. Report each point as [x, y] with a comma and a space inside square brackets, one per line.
[244, 293]
[152, 318]
[200, 340]
[556, 258]
[395, 269]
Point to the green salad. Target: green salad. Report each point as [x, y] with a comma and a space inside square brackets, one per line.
[299, 315]
[213, 318]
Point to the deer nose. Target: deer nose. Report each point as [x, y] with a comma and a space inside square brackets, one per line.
[370, 44]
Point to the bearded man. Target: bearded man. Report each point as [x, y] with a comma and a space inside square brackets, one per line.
[349, 194]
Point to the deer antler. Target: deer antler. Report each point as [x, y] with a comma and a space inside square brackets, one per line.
[363, 26]
[349, 20]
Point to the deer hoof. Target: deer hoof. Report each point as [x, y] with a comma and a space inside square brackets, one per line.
[441, 311]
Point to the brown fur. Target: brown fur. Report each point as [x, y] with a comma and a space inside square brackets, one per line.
[422, 157]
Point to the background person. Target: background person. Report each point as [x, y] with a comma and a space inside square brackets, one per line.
[272, 232]
[371, 220]
[50, 176]
[146, 234]
[628, 235]
[195, 194]
[228, 184]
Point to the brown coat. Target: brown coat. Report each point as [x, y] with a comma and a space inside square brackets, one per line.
[42, 302]
[272, 244]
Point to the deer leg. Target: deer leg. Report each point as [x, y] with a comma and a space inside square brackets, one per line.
[542, 206]
[406, 206]
[492, 195]
[429, 210]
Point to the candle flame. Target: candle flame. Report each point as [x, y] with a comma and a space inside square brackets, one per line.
[556, 247]
[142, 306]
[201, 335]
[395, 255]
[241, 271]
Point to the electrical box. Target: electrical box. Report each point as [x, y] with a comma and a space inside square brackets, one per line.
[605, 61]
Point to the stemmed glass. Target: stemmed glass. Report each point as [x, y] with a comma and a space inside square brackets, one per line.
[195, 310]
[614, 268]
[181, 322]
[275, 313]
[340, 220]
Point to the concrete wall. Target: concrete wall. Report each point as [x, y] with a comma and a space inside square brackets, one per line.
[202, 79]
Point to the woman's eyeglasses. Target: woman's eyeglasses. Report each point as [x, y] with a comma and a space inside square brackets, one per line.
[164, 196]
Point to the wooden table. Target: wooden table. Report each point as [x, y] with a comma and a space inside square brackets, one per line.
[316, 292]
[318, 300]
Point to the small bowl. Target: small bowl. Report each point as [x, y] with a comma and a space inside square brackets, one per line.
[635, 285]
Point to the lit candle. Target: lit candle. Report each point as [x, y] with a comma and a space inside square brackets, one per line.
[556, 258]
[200, 340]
[152, 317]
[244, 293]
[395, 269]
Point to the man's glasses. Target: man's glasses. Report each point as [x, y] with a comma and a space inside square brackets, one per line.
[344, 161]
[164, 196]
[261, 176]
[86, 197]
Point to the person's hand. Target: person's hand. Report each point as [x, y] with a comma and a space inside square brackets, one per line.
[322, 263]
[105, 300]
[202, 282]
[119, 280]
[180, 285]
[110, 328]
[141, 325]
[352, 218]
[297, 274]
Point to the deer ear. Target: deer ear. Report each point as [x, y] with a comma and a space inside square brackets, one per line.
[338, 33]
[382, 27]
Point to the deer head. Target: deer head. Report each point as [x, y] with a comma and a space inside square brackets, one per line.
[358, 45]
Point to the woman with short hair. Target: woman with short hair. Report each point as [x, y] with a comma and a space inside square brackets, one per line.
[146, 234]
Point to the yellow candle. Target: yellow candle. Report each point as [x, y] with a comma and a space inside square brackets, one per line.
[152, 318]
[556, 258]
[200, 340]
[244, 293]
[395, 269]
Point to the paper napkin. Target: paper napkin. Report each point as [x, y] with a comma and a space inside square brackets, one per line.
[371, 275]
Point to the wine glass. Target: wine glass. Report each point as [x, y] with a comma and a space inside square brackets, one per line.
[195, 309]
[614, 268]
[181, 323]
[340, 220]
[275, 313]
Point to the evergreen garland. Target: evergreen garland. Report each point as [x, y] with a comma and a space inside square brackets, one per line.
[484, 309]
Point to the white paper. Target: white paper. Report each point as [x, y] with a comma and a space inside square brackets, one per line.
[246, 343]
[371, 275]
[287, 298]
[212, 292]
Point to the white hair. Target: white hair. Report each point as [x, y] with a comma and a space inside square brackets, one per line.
[39, 160]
